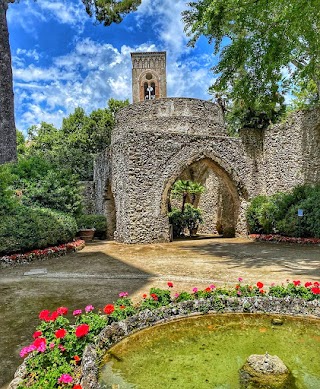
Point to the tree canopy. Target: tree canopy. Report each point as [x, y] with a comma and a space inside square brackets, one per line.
[266, 48]
[110, 11]
[79, 140]
[104, 11]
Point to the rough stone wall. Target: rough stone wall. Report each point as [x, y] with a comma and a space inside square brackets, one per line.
[156, 142]
[152, 144]
[104, 201]
[209, 204]
[89, 196]
[291, 152]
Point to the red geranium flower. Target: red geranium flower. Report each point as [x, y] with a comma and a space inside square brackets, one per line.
[43, 315]
[260, 285]
[207, 289]
[40, 344]
[108, 309]
[62, 310]
[296, 283]
[77, 358]
[61, 333]
[36, 334]
[53, 316]
[77, 387]
[170, 284]
[154, 296]
[307, 284]
[82, 330]
[315, 290]
[262, 291]
[316, 283]
[144, 296]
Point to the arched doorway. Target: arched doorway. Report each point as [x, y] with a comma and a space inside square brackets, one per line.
[222, 200]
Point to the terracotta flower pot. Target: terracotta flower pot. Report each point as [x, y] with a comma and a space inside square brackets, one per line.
[86, 234]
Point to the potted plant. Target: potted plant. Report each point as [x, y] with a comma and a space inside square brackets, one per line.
[192, 217]
[87, 234]
[91, 226]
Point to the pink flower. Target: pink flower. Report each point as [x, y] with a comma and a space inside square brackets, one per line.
[26, 350]
[65, 379]
[51, 345]
[176, 295]
[212, 287]
[40, 344]
[123, 294]
[240, 279]
[77, 312]
[195, 290]
[60, 347]
[89, 308]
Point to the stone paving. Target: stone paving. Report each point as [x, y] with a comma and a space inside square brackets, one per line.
[98, 273]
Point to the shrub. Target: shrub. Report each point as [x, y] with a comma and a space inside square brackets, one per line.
[189, 218]
[8, 200]
[279, 213]
[30, 228]
[44, 185]
[177, 221]
[98, 222]
[192, 217]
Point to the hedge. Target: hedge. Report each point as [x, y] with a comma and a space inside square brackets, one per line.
[278, 214]
[29, 228]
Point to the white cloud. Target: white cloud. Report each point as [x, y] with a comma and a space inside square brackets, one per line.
[165, 17]
[29, 12]
[92, 72]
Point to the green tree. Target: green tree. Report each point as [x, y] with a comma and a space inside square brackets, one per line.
[79, 140]
[106, 12]
[265, 48]
[42, 184]
[184, 188]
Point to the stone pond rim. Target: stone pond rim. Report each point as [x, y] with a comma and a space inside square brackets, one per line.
[145, 319]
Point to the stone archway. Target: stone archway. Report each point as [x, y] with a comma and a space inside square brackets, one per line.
[153, 142]
[219, 202]
[232, 213]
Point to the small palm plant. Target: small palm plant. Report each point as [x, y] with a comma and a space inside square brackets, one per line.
[184, 188]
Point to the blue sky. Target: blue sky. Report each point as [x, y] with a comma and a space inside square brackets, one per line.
[61, 60]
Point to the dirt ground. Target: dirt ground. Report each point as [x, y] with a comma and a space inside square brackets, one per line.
[98, 273]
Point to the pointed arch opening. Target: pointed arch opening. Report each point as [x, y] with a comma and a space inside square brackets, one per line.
[219, 203]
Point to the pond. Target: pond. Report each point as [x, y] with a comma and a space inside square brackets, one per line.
[208, 351]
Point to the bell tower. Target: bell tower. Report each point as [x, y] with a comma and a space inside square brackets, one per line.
[149, 79]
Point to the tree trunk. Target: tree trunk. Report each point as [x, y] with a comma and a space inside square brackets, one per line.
[8, 149]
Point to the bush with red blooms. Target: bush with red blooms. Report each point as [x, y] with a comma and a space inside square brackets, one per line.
[283, 239]
[43, 254]
[58, 344]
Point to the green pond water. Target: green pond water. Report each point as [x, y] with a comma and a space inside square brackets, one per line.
[208, 351]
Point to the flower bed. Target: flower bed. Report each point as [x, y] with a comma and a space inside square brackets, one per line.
[283, 239]
[63, 353]
[42, 254]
